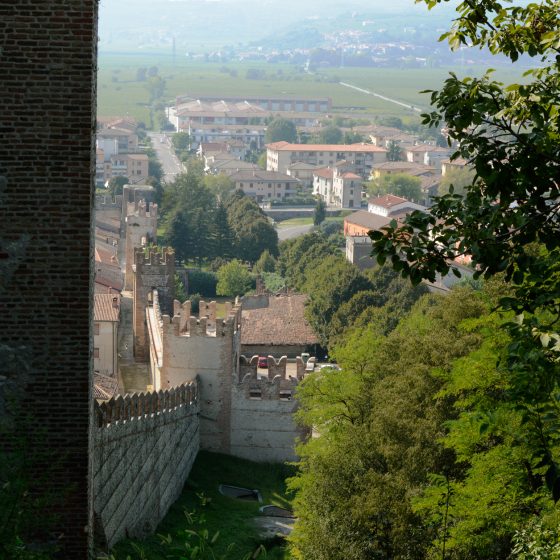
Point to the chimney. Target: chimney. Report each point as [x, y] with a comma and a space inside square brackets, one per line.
[116, 302]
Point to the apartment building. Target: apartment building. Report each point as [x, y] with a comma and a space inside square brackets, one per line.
[265, 186]
[362, 157]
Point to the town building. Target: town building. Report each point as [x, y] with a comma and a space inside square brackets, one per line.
[449, 164]
[302, 171]
[265, 186]
[407, 167]
[106, 315]
[338, 187]
[280, 155]
[428, 155]
[390, 205]
[252, 135]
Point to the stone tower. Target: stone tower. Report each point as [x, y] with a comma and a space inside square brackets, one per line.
[153, 270]
[140, 229]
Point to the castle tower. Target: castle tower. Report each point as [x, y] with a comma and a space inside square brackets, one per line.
[153, 270]
[140, 229]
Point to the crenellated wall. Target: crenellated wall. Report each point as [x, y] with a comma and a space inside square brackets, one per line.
[140, 228]
[262, 412]
[144, 448]
[153, 269]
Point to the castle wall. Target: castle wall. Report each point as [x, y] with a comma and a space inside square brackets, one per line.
[210, 351]
[263, 427]
[153, 270]
[144, 448]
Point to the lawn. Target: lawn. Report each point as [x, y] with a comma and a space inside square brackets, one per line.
[231, 517]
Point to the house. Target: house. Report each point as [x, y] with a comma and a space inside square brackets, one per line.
[265, 185]
[457, 163]
[223, 163]
[361, 222]
[428, 155]
[276, 325]
[251, 135]
[302, 171]
[280, 155]
[388, 205]
[410, 168]
[106, 316]
[338, 187]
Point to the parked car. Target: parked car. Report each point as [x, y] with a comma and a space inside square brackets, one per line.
[263, 362]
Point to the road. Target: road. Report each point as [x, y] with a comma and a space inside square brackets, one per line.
[293, 231]
[171, 165]
[378, 95]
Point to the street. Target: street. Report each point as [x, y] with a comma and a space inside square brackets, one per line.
[164, 151]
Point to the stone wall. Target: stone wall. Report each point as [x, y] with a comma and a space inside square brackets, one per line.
[263, 427]
[47, 123]
[144, 448]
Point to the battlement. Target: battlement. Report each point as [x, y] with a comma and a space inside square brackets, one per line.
[141, 209]
[206, 324]
[106, 202]
[141, 405]
[276, 369]
[152, 256]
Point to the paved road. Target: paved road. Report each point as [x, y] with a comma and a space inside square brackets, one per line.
[390, 100]
[171, 165]
[293, 231]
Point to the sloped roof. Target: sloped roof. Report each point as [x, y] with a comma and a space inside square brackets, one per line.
[103, 308]
[281, 323]
[387, 201]
[361, 147]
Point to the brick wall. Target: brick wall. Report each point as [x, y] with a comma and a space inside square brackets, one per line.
[47, 112]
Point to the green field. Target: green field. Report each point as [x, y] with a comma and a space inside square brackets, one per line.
[120, 94]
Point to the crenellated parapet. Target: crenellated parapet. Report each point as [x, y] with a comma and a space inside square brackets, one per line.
[106, 202]
[206, 324]
[142, 405]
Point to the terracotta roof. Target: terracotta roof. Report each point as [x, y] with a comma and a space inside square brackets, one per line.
[138, 156]
[387, 201]
[213, 147]
[104, 386]
[104, 307]
[459, 162]
[281, 323]
[350, 175]
[368, 220]
[286, 146]
[261, 175]
[427, 148]
[302, 165]
[324, 172]
[408, 165]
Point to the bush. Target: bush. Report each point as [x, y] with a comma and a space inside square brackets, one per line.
[202, 282]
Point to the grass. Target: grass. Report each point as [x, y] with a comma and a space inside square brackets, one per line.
[304, 221]
[232, 518]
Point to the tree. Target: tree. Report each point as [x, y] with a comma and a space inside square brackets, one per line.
[281, 129]
[233, 279]
[399, 184]
[459, 178]
[330, 135]
[177, 234]
[181, 141]
[394, 151]
[320, 212]
[507, 219]
[266, 262]
[116, 185]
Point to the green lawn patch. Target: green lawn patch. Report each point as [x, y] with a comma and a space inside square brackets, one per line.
[304, 221]
[231, 517]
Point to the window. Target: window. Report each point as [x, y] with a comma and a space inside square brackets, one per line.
[96, 352]
[95, 328]
[255, 394]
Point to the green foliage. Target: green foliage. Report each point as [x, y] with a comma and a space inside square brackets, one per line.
[281, 129]
[330, 135]
[507, 219]
[234, 279]
[380, 425]
[181, 141]
[116, 185]
[252, 230]
[180, 291]
[273, 282]
[320, 212]
[459, 179]
[399, 184]
[266, 263]
[536, 542]
[202, 282]
[221, 186]
[394, 151]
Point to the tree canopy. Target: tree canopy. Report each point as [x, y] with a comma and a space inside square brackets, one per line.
[281, 129]
[507, 220]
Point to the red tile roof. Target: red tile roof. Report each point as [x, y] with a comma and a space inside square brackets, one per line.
[387, 201]
[287, 147]
[281, 323]
[106, 307]
[324, 172]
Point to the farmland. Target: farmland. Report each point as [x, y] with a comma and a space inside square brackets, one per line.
[119, 93]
